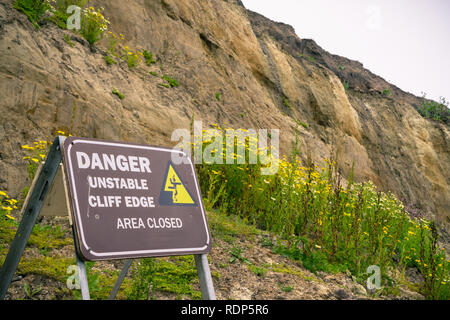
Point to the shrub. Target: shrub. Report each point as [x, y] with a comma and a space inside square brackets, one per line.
[93, 25]
[328, 226]
[133, 59]
[60, 15]
[148, 57]
[346, 85]
[109, 61]
[172, 82]
[33, 9]
[438, 111]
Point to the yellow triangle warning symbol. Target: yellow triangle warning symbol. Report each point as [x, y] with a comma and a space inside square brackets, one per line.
[173, 191]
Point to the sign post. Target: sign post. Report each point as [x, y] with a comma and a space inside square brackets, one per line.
[125, 201]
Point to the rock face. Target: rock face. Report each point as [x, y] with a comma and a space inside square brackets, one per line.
[266, 75]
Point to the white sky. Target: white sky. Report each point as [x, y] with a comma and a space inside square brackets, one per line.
[406, 42]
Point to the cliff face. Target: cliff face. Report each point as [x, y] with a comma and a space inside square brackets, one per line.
[215, 46]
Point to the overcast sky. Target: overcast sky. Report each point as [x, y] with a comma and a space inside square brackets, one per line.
[406, 42]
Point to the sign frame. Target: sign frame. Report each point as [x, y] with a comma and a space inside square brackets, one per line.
[32, 207]
[85, 250]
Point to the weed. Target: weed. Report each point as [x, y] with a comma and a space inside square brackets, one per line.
[346, 85]
[286, 103]
[303, 124]
[33, 9]
[386, 92]
[148, 57]
[172, 82]
[93, 25]
[31, 292]
[258, 271]
[324, 224]
[109, 60]
[236, 254]
[60, 15]
[117, 93]
[437, 111]
[286, 289]
[153, 73]
[68, 41]
[218, 96]
[175, 275]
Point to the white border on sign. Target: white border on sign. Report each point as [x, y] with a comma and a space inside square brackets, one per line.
[136, 252]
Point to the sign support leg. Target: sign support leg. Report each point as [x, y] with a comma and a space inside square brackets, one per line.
[30, 214]
[82, 274]
[204, 275]
[119, 281]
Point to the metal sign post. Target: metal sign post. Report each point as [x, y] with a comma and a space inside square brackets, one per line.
[124, 201]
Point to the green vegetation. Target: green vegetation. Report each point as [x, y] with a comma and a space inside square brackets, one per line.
[345, 84]
[68, 41]
[327, 225]
[93, 25]
[387, 92]
[286, 103]
[172, 82]
[174, 275]
[438, 111]
[286, 289]
[148, 57]
[218, 96]
[60, 15]
[303, 124]
[153, 73]
[33, 9]
[109, 60]
[342, 68]
[133, 59]
[117, 93]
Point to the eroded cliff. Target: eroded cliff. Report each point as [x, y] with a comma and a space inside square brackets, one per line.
[266, 75]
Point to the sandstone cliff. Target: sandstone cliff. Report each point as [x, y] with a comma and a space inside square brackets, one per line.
[215, 47]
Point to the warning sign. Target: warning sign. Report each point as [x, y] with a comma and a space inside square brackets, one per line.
[174, 192]
[131, 201]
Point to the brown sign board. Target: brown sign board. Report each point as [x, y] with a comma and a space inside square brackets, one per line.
[133, 201]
